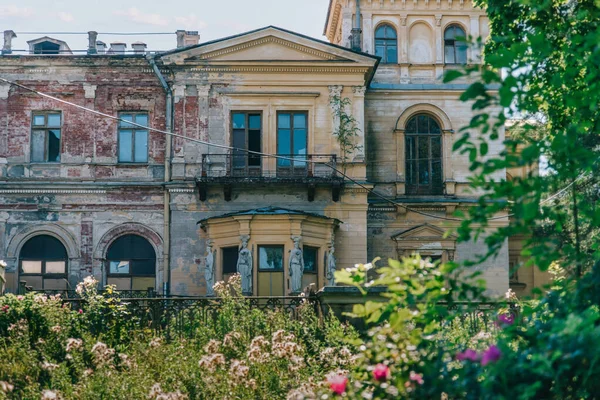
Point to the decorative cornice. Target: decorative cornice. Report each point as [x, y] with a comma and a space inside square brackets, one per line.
[355, 190]
[382, 209]
[50, 191]
[329, 70]
[268, 39]
[181, 190]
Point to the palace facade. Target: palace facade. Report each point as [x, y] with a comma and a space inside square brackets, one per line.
[81, 193]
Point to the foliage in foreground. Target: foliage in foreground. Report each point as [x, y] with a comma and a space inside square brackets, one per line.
[49, 351]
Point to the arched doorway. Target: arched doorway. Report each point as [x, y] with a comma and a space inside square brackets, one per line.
[131, 263]
[43, 263]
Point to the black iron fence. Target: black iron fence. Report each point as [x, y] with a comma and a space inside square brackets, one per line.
[289, 166]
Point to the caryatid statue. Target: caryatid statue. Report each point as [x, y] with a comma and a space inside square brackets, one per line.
[244, 266]
[296, 266]
[331, 267]
[2, 276]
[209, 270]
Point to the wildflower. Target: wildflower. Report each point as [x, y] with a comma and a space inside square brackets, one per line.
[20, 297]
[338, 384]
[211, 362]
[56, 329]
[46, 366]
[381, 372]
[468, 354]
[505, 320]
[40, 298]
[416, 377]
[156, 342]
[492, 354]
[5, 308]
[50, 395]
[80, 311]
[6, 387]
[88, 372]
[155, 391]
[73, 344]
[212, 346]
[510, 295]
[238, 372]
[230, 340]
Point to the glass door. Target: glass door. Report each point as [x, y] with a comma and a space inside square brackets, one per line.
[292, 143]
[270, 270]
[246, 135]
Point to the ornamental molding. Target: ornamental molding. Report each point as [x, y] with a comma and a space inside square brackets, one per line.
[269, 39]
[325, 70]
[382, 209]
[359, 90]
[355, 190]
[181, 190]
[50, 191]
[335, 90]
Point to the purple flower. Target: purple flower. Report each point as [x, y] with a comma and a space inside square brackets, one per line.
[468, 354]
[505, 320]
[492, 354]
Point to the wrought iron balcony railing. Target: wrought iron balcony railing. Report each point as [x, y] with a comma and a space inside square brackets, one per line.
[288, 167]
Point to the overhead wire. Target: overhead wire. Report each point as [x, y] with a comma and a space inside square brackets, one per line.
[276, 156]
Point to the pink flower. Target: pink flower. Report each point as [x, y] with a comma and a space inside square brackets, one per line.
[80, 311]
[468, 354]
[505, 320]
[20, 297]
[492, 354]
[381, 372]
[416, 377]
[338, 384]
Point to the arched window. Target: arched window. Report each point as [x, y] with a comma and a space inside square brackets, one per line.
[386, 44]
[423, 138]
[43, 263]
[455, 48]
[131, 263]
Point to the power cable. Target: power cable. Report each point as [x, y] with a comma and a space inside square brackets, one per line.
[99, 33]
[236, 149]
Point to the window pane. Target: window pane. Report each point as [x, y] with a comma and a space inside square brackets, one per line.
[142, 283]
[411, 172]
[461, 53]
[380, 32]
[254, 122]
[120, 283]
[39, 120]
[239, 141]
[392, 55]
[55, 284]
[126, 117]
[38, 146]
[283, 146]
[310, 258]
[125, 143]
[31, 267]
[380, 51]
[230, 258]
[436, 172]
[54, 145]
[449, 33]
[299, 121]
[300, 141]
[436, 147]
[143, 267]
[411, 126]
[424, 172]
[423, 124]
[434, 127]
[459, 33]
[55, 267]
[54, 120]
[449, 54]
[390, 32]
[142, 119]
[411, 147]
[270, 257]
[141, 146]
[254, 145]
[283, 121]
[35, 282]
[239, 121]
[423, 147]
[119, 267]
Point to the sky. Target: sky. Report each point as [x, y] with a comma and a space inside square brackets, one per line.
[212, 18]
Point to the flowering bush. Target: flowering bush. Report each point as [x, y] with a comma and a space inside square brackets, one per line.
[50, 351]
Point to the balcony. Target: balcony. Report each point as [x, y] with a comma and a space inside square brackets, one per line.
[309, 170]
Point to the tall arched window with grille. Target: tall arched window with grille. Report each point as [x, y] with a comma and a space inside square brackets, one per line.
[43, 263]
[131, 263]
[455, 47]
[386, 44]
[423, 141]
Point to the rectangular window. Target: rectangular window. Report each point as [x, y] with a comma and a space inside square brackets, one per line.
[292, 139]
[133, 140]
[45, 136]
[311, 256]
[246, 135]
[230, 259]
[270, 258]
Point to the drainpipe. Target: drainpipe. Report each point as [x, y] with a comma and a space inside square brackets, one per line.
[355, 43]
[167, 197]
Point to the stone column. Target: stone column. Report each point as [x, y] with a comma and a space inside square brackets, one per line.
[448, 170]
[367, 33]
[346, 28]
[403, 50]
[358, 104]
[178, 161]
[400, 163]
[439, 47]
[335, 92]
[475, 34]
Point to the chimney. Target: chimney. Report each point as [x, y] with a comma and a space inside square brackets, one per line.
[92, 36]
[187, 38]
[139, 47]
[8, 37]
[117, 48]
[100, 47]
[356, 37]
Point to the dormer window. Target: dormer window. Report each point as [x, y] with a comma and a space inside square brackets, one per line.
[46, 48]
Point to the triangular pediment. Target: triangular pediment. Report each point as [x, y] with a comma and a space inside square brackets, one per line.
[270, 44]
[425, 232]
